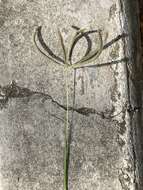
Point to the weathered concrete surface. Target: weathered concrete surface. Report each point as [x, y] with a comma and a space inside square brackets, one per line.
[31, 130]
[131, 25]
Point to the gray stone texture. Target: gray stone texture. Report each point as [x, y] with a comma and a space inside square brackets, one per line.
[32, 128]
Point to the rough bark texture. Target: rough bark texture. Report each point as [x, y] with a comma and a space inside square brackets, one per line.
[105, 152]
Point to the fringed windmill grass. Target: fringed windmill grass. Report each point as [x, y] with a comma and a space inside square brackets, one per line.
[67, 65]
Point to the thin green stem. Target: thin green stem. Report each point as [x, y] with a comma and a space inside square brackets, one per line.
[66, 148]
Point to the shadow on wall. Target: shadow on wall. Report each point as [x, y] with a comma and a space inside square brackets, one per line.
[135, 81]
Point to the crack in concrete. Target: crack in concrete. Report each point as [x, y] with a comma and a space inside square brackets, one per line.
[12, 90]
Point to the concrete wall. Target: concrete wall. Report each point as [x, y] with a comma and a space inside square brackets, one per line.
[32, 126]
